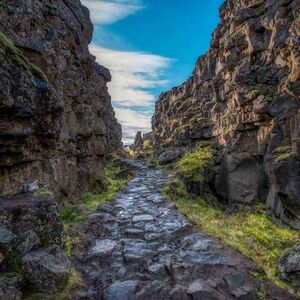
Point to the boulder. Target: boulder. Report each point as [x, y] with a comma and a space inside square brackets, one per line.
[46, 270]
[169, 156]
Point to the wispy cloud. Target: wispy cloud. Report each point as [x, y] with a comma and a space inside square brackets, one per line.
[134, 74]
[111, 11]
[132, 121]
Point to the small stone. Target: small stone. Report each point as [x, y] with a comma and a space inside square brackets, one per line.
[30, 241]
[178, 293]
[102, 248]
[7, 238]
[122, 290]
[158, 269]
[46, 270]
[143, 218]
[200, 290]
[30, 187]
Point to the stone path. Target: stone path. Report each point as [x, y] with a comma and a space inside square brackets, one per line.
[140, 247]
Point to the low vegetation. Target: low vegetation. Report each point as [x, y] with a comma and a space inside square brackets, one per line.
[250, 231]
[194, 163]
[282, 153]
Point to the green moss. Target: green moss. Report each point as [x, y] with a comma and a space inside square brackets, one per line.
[17, 56]
[257, 3]
[265, 90]
[11, 193]
[38, 72]
[285, 156]
[192, 162]
[255, 94]
[261, 292]
[282, 149]
[175, 190]
[251, 231]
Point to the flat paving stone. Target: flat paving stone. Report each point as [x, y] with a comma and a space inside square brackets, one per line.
[102, 248]
[143, 218]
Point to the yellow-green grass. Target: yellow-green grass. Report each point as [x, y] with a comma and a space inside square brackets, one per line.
[192, 162]
[251, 231]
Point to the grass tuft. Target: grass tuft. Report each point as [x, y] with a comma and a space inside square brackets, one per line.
[193, 162]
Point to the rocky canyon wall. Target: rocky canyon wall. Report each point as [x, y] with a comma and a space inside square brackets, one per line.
[244, 95]
[56, 118]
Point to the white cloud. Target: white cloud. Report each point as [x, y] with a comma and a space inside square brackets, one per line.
[133, 74]
[132, 121]
[111, 11]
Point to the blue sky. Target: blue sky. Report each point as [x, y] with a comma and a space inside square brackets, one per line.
[149, 47]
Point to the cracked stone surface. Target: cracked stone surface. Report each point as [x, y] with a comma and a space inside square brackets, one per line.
[143, 248]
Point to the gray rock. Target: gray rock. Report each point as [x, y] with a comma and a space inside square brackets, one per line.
[30, 187]
[143, 218]
[46, 270]
[30, 241]
[102, 248]
[199, 290]
[237, 282]
[289, 265]
[7, 238]
[169, 156]
[122, 291]
[178, 293]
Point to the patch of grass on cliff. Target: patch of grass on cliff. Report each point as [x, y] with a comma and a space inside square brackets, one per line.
[283, 153]
[250, 231]
[192, 162]
[18, 57]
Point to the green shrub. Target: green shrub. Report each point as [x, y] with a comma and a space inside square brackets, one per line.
[193, 162]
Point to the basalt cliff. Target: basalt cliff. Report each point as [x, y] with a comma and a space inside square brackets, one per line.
[56, 118]
[244, 96]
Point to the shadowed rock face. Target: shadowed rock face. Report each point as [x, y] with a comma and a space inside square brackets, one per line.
[56, 130]
[244, 94]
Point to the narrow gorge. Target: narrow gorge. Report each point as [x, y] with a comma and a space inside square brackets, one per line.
[205, 206]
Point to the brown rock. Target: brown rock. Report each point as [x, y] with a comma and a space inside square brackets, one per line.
[244, 96]
[56, 115]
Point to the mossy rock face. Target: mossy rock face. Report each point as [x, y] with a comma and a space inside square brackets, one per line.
[17, 56]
